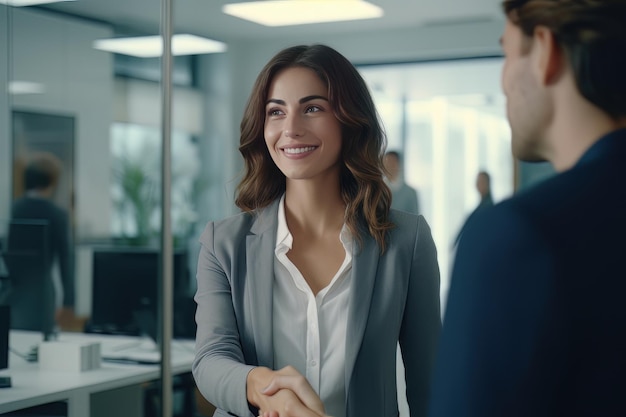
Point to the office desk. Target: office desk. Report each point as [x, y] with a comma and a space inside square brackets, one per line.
[32, 386]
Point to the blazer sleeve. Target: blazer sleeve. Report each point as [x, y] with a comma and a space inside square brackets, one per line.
[219, 367]
[421, 323]
[496, 304]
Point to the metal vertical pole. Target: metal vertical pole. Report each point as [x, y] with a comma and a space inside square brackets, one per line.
[166, 276]
[7, 126]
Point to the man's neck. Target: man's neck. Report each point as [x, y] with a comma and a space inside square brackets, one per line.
[576, 128]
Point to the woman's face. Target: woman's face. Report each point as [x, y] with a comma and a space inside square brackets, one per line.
[301, 131]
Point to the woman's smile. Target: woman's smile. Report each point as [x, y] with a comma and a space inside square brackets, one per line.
[298, 152]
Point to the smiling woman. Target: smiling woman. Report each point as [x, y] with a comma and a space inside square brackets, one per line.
[298, 295]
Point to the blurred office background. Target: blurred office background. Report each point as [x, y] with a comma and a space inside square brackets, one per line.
[433, 68]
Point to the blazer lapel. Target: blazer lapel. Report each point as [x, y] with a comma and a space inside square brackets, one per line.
[260, 244]
[364, 265]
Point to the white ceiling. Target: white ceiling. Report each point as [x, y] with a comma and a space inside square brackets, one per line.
[205, 18]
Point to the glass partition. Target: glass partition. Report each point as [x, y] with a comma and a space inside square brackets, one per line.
[63, 97]
[62, 102]
[99, 113]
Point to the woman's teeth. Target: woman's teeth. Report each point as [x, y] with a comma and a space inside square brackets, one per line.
[299, 150]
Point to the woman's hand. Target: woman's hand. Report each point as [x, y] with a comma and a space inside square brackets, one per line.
[283, 393]
[288, 405]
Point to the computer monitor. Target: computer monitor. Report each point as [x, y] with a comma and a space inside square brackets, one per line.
[125, 292]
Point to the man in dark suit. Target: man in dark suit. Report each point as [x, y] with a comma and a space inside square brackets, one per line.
[536, 316]
[38, 237]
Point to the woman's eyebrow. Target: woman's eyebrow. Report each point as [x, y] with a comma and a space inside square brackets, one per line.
[276, 101]
[302, 100]
[313, 97]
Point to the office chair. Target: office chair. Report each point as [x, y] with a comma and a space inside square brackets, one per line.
[30, 292]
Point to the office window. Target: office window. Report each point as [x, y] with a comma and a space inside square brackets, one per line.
[448, 120]
[136, 184]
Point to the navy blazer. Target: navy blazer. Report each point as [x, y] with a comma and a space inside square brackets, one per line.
[536, 316]
[394, 298]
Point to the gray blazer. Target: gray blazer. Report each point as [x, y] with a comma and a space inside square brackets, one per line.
[394, 297]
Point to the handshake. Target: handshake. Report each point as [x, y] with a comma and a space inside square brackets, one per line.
[283, 393]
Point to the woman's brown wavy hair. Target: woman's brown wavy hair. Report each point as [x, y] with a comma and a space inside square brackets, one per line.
[363, 190]
[593, 35]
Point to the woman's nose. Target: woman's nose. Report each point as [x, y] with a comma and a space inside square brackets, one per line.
[292, 134]
[293, 127]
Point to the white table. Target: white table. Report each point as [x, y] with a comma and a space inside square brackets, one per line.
[32, 386]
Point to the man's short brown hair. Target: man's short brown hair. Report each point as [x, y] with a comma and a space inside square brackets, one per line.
[42, 171]
[592, 34]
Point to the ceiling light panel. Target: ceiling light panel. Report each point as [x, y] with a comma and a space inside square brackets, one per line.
[301, 12]
[152, 46]
[26, 87]
[22, 3]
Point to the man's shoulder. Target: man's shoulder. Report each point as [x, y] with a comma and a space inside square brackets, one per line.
[39, 208]
[581, 191]
[557, 205]
[532, 208]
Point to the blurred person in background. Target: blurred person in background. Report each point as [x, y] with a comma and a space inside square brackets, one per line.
[32, 294]
[404, 197]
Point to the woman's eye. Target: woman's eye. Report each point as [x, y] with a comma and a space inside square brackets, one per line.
[312, 109]
[274, 112]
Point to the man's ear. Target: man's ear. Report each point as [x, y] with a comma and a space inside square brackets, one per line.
[549, 57]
